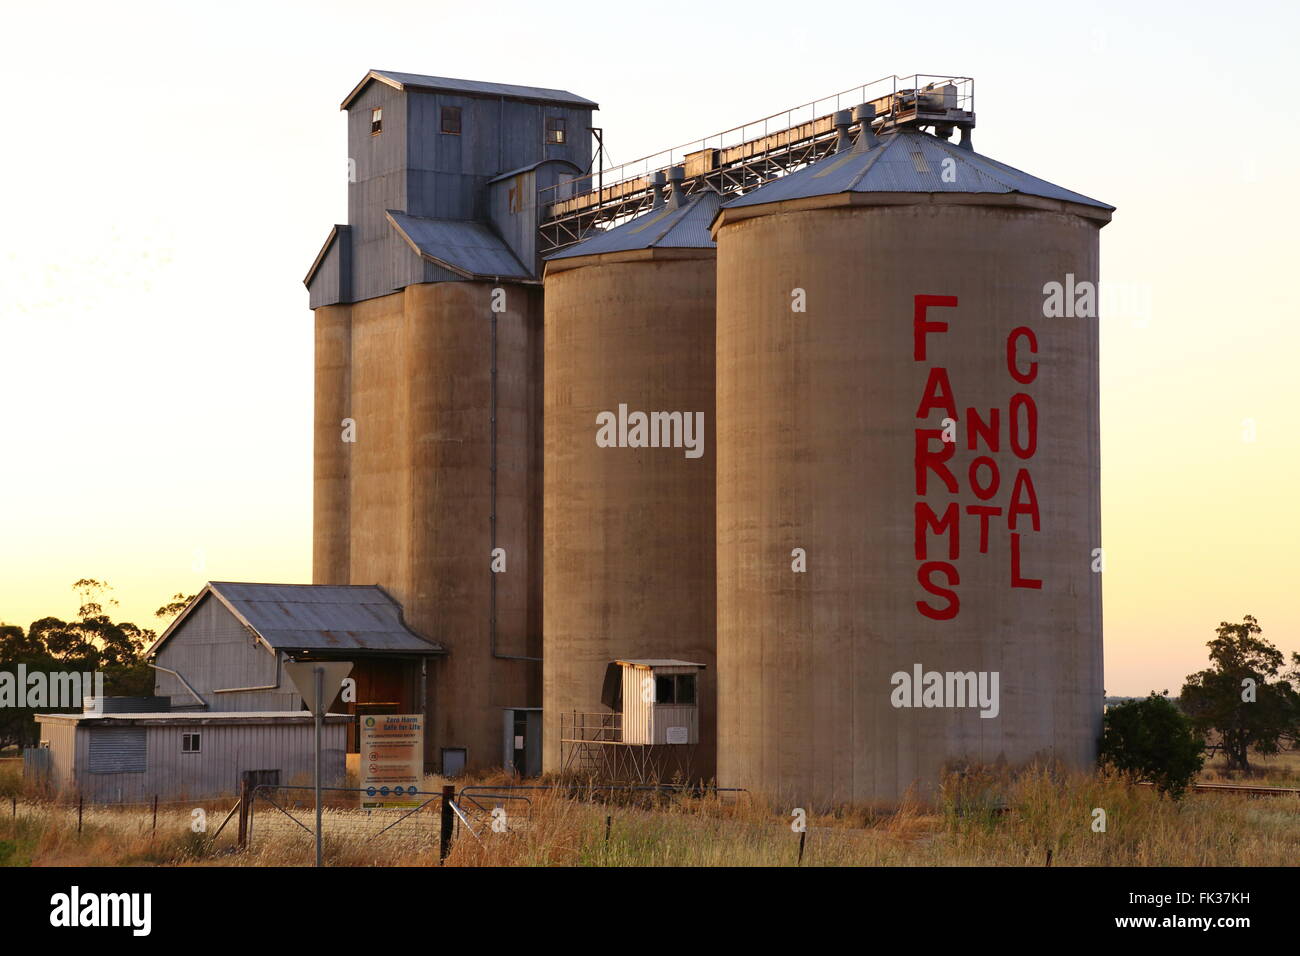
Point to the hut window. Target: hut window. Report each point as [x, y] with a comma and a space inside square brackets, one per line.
[555, 130]
[190, 743]
[675, 689]
[685, 689]
[451, 120]
[376, 120]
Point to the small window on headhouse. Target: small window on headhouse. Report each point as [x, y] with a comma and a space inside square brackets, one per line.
[554, 129]
[376, 120]
[451, 120]
[190, 743]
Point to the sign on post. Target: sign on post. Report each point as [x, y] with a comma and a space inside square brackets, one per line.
[318, 683]
[303, 675]
[392, 760]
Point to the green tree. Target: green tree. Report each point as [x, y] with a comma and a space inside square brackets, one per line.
[178, 603]
[90, 642]
[1244, 695]
[18, 724]
[1153, 741]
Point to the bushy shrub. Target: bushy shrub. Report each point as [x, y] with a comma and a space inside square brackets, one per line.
[1152, 740]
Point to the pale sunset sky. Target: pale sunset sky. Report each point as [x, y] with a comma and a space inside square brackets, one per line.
[170, 171]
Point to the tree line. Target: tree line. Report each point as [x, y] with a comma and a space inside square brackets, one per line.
[92, 641]
[1247, 701]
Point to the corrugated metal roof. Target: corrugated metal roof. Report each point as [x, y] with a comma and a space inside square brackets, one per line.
[422, 82]
[317, 617]
[467, 248]
[192, 717]
[528, 168]
[908, 161]
[669, 227]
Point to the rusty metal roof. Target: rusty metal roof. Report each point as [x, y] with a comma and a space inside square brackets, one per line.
[470, 249]
[420, 83]
[668, 227]
[908, 161]
[314, 617]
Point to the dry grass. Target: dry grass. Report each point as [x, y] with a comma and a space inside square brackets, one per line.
[1282, 770]
[978, 820]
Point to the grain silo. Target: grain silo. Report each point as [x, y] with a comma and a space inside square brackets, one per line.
[428, 392]
[629, 476]
[908, 466]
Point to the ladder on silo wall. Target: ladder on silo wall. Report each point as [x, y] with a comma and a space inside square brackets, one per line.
[744, 157]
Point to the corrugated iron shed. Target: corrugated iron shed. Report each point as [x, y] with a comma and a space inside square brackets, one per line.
[419, 82]
[669, 227]
[470, 249]
[908, 161]
[314, 617]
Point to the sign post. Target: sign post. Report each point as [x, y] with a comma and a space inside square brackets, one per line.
[313, 679]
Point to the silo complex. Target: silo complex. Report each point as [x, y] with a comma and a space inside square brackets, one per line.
[629, 460]
[907, 474]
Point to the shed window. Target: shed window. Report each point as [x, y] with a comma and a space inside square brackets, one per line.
[675, 689]
[190, 743]
[451, 120]
[555, 129]
[376, 120]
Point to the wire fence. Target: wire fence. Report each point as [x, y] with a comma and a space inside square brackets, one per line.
[281, 819]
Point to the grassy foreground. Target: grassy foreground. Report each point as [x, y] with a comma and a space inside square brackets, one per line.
[990, 820]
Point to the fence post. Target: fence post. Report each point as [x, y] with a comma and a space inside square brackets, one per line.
[155, 814]
[13, 806]
[245, 793]
[802, 836]
[609, 822]
[444, 845]
[80, 803]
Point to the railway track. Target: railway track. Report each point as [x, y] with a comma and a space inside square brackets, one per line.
[1245, 791]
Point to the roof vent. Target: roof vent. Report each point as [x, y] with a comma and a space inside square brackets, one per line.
[657, 181]
[677, 183]
[965, 141]
[865, 115]
[843, 120]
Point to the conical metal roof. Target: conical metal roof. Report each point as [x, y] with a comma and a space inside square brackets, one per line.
[908, 161]
[668, 227]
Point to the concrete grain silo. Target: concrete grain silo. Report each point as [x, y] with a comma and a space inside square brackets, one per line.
[628, 511]
[428, 393]
[908, 470]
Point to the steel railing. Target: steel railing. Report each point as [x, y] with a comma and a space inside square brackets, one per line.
[735, 160]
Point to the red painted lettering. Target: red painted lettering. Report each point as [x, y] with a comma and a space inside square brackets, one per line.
[924, 574]
[922, 326]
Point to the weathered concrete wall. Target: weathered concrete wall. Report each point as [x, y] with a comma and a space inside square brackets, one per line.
[817, 449]
[629, 550]
[331, 454]
[419, 501]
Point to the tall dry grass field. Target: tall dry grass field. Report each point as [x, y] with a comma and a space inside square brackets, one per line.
[977, 820]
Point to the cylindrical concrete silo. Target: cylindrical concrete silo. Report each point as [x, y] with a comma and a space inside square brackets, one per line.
[628, 528]
[444, 466]
[861, 302]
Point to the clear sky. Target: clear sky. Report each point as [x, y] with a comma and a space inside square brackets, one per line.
[170, 170]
